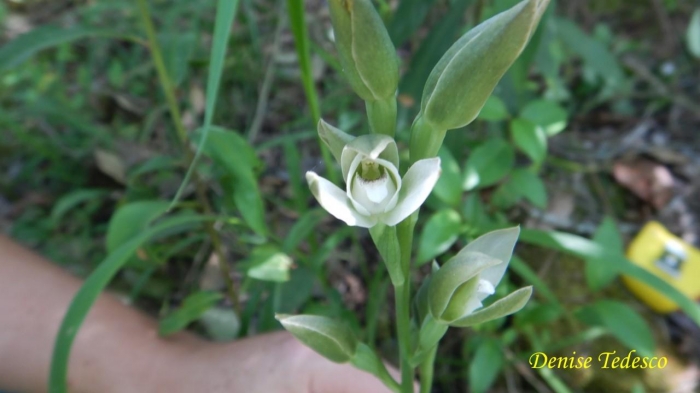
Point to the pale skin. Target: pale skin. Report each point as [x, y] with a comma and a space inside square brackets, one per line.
[118, 348]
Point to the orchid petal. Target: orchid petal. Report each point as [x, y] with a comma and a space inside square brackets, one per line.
[416, 186]
[336, 202]
[371, 146]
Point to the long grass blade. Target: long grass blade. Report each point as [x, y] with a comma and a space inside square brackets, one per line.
[91, 289]
[225, 14]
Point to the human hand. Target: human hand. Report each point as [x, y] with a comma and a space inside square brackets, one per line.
[268, 363]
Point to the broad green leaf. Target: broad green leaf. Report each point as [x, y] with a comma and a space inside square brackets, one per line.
[130, 220]
[530, 138]
[73, 199]
[193, 307]
[26, 45]
[521, 183]
[593, 252]
[594, 53]
[237, 157]
[546, 114]
[266, 263]
[330, 338]
[487, 164]
[494, 110]
[387, 243]
[367, 360]
[91, 289]
[448, 188]
[623, 322]
[600, 275]
[693, 34]
[439, 234]
[487, 363]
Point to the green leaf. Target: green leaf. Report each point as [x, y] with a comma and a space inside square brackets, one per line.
[439, 234]
[693, 34]
[189, 311]
[593, 252]
[448, 188]
[623, 322]
[487, 363]
[546, 114]
[26, 45]
[521, 183]
[601, 274]
[329, 338]
[594, 53]
[91, 289]
[494, 110]
[530, 138]
[540, 314]
[237, 157]
[266, 263]
[367, 360]
[130, 220]
[73, 199]
[500, 308]
[487, 164]
[387, 243]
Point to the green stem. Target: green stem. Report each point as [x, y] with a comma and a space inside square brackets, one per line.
[426, 371]
[404, 232]
[403, 321]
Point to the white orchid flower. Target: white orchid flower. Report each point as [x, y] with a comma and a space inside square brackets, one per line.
[374, 192]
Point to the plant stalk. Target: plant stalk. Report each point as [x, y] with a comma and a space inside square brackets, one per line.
[404, 232]
[426, 368]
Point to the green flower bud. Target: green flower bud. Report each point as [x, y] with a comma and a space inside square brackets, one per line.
[331, 339]
[366, 52]
[467, 73]
[369, 60]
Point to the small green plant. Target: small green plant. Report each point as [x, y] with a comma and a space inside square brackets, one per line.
[379, 195]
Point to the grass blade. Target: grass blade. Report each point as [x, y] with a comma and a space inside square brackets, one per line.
[26, 45]
[91, 289]
[295, 8]
[225, 14]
